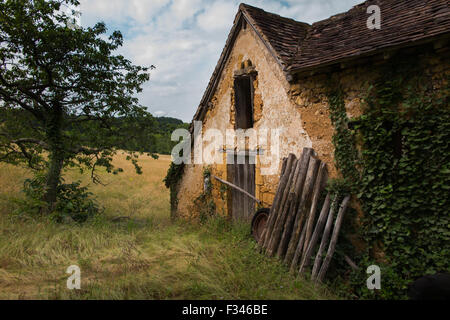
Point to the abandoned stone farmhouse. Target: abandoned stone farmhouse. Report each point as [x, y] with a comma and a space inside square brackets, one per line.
[275, 72]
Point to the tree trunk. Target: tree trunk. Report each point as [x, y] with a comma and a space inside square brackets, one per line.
[53, 178]
[56, 159]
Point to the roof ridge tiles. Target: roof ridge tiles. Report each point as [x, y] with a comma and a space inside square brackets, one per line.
[299, 46]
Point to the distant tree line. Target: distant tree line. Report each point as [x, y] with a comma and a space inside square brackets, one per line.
[141, 134]
[68, 99]
[154, 140]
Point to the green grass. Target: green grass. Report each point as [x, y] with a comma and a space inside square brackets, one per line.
[144, 257]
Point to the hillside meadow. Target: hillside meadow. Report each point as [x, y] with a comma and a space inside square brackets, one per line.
[142, 255]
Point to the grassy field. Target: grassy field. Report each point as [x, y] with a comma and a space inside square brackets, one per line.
[144, 257]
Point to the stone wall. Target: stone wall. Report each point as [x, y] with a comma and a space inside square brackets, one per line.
[300, 108]
[309, 91]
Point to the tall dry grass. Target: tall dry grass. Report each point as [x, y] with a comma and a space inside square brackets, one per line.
[143, 257]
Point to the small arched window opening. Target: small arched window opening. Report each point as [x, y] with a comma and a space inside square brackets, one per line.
[243, 91]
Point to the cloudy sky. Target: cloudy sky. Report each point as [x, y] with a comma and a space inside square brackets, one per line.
[184, 39]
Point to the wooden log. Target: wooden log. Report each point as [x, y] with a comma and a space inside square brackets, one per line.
[282, 230]
[264, 240]
[317, 231]
[298, 229]
[281, 206]
[352, 265]
[283, 167]
[290, 203]
[322, 176]
[284, 196]
[284, 207]
[334, 238]
[301, 212]
[325, 236]
[298, 251]
[237, 188]
[295, 198]
[263, 234]
[269, 226]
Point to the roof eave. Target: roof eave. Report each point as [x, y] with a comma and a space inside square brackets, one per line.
[317, 67]
[242, 14]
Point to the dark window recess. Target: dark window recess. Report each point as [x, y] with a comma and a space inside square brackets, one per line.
[243, 91]
[397, 138]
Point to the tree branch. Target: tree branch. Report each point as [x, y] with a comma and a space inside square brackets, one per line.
[86, 151]
[8, 98]
[24, 153]
[31, 140]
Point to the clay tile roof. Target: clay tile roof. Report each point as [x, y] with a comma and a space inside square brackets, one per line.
[298, 46]
[282, 34]
[346, 36]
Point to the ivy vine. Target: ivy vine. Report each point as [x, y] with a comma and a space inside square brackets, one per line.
[204, 203]
[401, 175]
[173, 177]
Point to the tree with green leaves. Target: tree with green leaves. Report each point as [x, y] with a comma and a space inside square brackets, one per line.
[62, 89]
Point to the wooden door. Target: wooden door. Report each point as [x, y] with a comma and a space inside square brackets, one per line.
[242, 174]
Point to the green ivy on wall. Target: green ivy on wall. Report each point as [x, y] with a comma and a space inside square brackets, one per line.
[345, 154]
[401, 175]
[204, 203]
[173, 177]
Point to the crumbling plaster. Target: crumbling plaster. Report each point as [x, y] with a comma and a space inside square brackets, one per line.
[299, 108]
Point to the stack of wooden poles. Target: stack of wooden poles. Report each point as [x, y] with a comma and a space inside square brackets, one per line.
[293, 230]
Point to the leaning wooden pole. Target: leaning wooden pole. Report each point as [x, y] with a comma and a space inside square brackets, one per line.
[263, 235]
[334, 238]
[325, 236]
[349, 261]
[263, 241]
[322, 176]
[283, 198]
[231, 185]
[300, 216]
[287, 208]
[284, 206]
[298, 252]
[315, 236]
[296, 195]
[283, 166]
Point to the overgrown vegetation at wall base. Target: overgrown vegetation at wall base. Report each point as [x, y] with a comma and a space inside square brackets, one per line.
[171, 181]
[401, 176]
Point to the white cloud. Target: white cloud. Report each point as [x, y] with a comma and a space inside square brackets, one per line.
[141, 11]
[159, 113]
[217, 16]
[184, 38]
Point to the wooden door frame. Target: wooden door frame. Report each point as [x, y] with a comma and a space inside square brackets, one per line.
[231, 169]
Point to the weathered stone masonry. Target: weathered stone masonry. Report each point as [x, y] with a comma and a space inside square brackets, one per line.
[300, 106]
